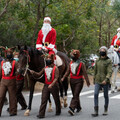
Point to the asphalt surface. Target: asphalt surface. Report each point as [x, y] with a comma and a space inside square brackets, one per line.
[87, 103]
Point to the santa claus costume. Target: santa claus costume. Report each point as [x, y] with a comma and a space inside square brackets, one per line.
[116, 42]
[47, 38]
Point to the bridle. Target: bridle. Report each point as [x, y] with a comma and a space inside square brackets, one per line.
[27, 65]
[28, 60]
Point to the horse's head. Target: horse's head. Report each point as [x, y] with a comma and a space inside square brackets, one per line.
[24, 59]
[110, 50]
[30, 57]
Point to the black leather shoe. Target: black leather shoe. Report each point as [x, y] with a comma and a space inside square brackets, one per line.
[13, 114]
[78, 110]
[58, 113]
[23, 108]
[38, 116]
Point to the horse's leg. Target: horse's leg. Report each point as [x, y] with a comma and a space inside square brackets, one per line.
[116, 69]
[50, 105]
[65, 86]
[113, 81]
[30, 99]
[61, 93]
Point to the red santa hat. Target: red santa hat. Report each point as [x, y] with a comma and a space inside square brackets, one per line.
[47, 18]
[118, 29]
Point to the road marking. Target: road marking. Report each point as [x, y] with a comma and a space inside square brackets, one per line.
[115, 97]
[83, 93]
[35, 94]
[100, 95]
[69, 92]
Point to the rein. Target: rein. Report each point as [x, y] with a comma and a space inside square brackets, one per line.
[28, 60]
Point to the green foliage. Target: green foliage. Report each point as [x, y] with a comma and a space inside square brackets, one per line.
[77, 22]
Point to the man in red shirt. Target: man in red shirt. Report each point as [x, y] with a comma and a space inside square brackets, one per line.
[47, 37]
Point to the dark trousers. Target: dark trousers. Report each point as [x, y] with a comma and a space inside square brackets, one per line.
[20, 97]
[45, 96]
[96, 93]
[10, 86]
[76, 87]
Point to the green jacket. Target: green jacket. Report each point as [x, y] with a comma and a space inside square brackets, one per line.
[103, 70]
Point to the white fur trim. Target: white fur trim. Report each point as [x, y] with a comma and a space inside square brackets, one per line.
[118, 29]
[55, 50]
[112, 46]
[47, 18]
[48, 72]
[38, 45]
[51, 46]
[44, 48]
[73, 67]
[7, 67]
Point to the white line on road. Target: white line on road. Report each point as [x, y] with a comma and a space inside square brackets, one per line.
[100, 95]
[115, 97]
[83, 93]
[69, 92]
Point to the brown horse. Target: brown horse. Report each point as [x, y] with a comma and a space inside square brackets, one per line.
[33, 59]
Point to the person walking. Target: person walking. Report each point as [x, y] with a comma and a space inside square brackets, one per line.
[102, 75]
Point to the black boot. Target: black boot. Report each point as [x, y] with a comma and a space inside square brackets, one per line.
[95, 114]
[105, 110]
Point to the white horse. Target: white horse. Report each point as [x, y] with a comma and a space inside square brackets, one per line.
[115, 60]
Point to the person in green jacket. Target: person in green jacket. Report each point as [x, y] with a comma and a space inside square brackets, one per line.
[102, 75]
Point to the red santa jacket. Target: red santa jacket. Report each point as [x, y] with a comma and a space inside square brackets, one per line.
[115, 41]
[49, 42]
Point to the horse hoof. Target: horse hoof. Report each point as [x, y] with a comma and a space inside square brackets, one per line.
[50, 110]
[65, 105]
[118, 89]
[27, 113]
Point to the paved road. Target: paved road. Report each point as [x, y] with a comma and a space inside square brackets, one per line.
[85, 114]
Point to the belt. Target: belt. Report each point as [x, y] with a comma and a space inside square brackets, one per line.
[116, 46]
[45, 44]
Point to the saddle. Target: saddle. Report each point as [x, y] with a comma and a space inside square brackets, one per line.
[58, 61]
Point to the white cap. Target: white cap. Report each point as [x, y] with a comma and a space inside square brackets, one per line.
[47, 18]
[118, 29]
[104, 47]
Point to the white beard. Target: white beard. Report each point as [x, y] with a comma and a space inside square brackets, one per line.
[46, 28]
[48, 72]
[73, 67]
[7, 67]
[118, 35]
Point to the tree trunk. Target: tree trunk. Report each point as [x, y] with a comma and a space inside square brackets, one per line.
[109, 34]
[5, 9]
[36, 25]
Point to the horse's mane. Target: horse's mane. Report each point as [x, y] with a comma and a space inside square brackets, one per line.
[36, 60]
[32, 51]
